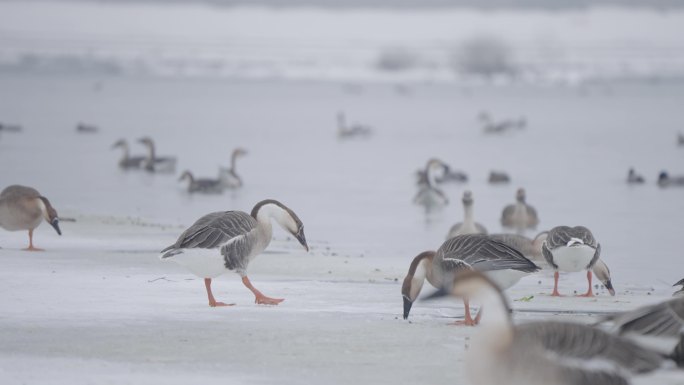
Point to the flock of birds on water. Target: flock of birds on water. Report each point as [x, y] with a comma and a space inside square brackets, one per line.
[471, 265]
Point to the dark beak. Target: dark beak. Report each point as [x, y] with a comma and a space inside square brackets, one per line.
[407, 307]
[55, 225]
[609, 286]
[438, 294]
[301, 238]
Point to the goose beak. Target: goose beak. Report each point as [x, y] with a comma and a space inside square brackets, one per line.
[609, 286]
[301, 238]
[407, 307]
[55, 225]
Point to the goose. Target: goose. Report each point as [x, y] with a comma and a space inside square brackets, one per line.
[10, 127]
[489, 126]
[498, 177]
[572, 249]
[354, 130]
[665, 180]
[153, 163]
[448, 175]
[228, 176]
[468, 226]
[680, 139]
[544, 352]
[680, 292]
[634, 178]
[478, 252]
[24, 208]
[229, 240]
[429, 195]
[83, 128]
[128, 161]
[519, 216]
[530, 248]
[201, 185]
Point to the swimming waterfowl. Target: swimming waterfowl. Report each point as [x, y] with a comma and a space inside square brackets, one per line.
[228, 176]
[429, 195]
[128, 161]
[665, 180]
[468, 226]
[530, 248]
[447, 175]
[497, 177]
[572, 249]
[634, 178]
[223, 241]
[83, 128]
[478, 252]
[201, 185]
[519, 216]
[680, 292]
[353, 130]
[153, 163]
[24, 208]
[489, 126]
[544, 352]
[6, 127]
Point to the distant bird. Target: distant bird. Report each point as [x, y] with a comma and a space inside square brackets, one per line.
[665, 180]
[429, 195]
[530, 248]
[468, 226]
[353, 130]
[229, 177]
[83, 128]
[5, 127]
[489, 126]
[545, 352]
[634, 178]
[229, 240]
[680, 139]
[519, 216]
[23, 208]
[448, 175]
[128, 161]
[201, 185]
[478, 252]
[153, 163]
[572, 249]
[496, 177]
[680, 292]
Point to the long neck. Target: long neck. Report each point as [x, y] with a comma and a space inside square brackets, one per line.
[126, 154]
[150, 151]
[468, 215]
[496, 318]
[233, 160]
[431, 177]
[419, 270]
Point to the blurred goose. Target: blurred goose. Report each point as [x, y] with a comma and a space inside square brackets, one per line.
[680, 292]
[83, 128]
[354, 130]
[519, 216]
[228, 176]
[468, 226]
[572, 249]
[5, 127]
[128, 161]
[489, 126]
[634, 178]
[680, 139]
[530, 248]
[544, 352]
[502, 263]
[23, 208]
[447, 175]
[201, 185]
[497, 177]
[429, 195]
[665, 180]
[229, 240]
[153, 163]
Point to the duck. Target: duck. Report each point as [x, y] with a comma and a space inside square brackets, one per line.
[468, 226]
[153, 163]
[227, 241]
[573, 249]
[478, 252]
[24, 208]
[544, 352]
[228, 176]
[127, 161]
[680, 292]
[201, 185]
[665, 180]
[351, 131]
[498, 177]
[519, 216]
[429, 195]
[634, 178]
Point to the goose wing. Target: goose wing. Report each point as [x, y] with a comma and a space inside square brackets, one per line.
[483, 253]
[662, 319]
[215, 230]
[561, 235]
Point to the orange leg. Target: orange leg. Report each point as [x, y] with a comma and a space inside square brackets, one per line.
[212, 300]
[589, 292]
[259, 297]
[468, 321]
[30, 246]
[555, 285]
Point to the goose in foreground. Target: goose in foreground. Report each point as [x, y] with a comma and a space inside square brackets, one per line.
[353, 130]
[634, 178]
[201, 185]
[23, 208]
[429, 195]
[127, 161]
[498, 177]
[153, 163]
[680, 292]
[662, 319]
[468, 226]
[228, 176]
[502, 263]
[572, 249]
[519, 216]
[544, 352]
[229, 240]
[530, 248]
[665, 180]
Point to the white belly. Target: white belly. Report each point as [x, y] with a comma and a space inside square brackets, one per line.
[204, 263]
[573, 259]
[505, 278]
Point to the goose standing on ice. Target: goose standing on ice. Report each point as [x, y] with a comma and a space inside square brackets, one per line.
[353, 130]
[634, 178]
[500, 262]
[229, 177]
[680, 292]
[468, 226]
[572, 249]
[23, 208]
[519, 216]
[128, 161]
[229, 240]
[201, 185]
[545, 352]
[429, 195]
[665, 180]
[153, 163]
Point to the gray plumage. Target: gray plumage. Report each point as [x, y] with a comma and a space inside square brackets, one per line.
[562, 236]
[202, 185]
[154, 163]
[519, 216]
[679, 292]
[468, 226]
[127, 161]
[662, 319]
[528, 247]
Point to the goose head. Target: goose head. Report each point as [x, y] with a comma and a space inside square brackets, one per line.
[413, 282]
[239, 152]
[520, 195]
[50, 215]
[120, 143]
[283, 215]
[147, 141]
[186, 175]
[602, 272]
[467, 198]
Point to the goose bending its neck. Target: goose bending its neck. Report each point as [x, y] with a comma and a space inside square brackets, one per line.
[468, 226]
[222, 241]
[429, 195]
[23, 208]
